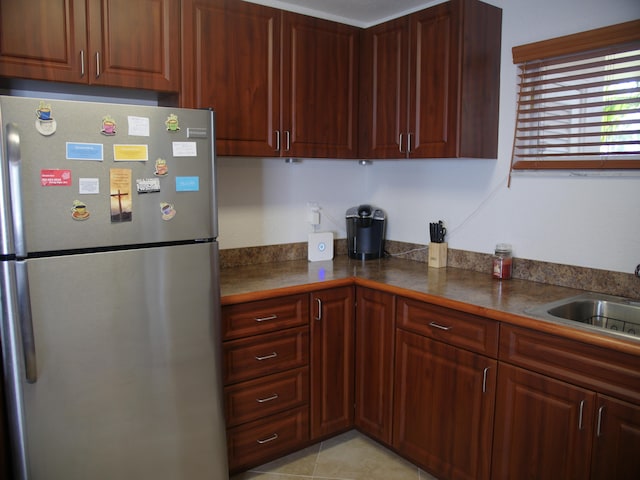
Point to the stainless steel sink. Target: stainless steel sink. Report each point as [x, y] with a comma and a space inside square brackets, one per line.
[615, 314]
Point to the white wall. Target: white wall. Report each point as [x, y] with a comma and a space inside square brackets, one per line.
[592, 222]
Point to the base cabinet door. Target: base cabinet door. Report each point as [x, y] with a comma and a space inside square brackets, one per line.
[543, 427]
[444, 406]
[374, 363]
[332, 336]
[616, 447]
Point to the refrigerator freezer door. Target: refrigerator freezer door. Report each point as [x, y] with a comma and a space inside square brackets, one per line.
[128, 371]
[79, 162]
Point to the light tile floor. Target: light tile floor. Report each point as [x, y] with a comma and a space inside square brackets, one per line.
[350, 456]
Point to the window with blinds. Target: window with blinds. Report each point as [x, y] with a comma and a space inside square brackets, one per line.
[579, 101]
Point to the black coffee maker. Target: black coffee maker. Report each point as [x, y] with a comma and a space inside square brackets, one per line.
[365, 232]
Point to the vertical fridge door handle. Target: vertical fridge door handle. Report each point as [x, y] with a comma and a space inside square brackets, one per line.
[15, 182]
[26, 322]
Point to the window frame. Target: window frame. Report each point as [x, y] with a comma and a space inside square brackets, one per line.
[549, 50]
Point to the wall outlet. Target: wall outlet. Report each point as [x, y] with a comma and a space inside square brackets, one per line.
[313, 213]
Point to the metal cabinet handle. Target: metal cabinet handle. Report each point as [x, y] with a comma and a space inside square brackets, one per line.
[580, 415]
[400, 142]
[269, 439]
[437, 325]
[267, 318]
[408, 143]
[599, 427]
[267, 399]
[288, 137]
[319, 316]
[485, 372]
[97, 64]
[277, 140]
[82, 72]
[267, 357]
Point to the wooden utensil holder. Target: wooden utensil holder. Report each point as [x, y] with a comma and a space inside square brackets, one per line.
[437, 255]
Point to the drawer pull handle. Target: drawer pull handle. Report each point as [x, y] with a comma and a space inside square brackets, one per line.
[268, 399]
[267, 318]
[580, 415]
[267, 440]
[267, 357]
[437, 325]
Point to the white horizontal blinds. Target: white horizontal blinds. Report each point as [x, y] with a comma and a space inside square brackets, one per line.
[580, 110]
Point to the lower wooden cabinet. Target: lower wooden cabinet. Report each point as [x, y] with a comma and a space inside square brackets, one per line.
[460, 395]
[375, 333]
[616, 446]
[332, 337]
[543, 427]
[443, 407]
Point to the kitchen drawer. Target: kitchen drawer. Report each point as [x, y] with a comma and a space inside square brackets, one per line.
[257, 442]
[265, 396]
[253, 357]
[252, 318]
[464, 330]
[601, 369]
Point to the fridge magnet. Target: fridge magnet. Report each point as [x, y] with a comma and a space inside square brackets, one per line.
[108, 126]
[85, 151]
[168, 212]
[172, 123]
[187, 184]
[161, 169]
[79, 211]
[55, 178]
[120, 188]
[148, 185]
[130, 153]
[45, 124]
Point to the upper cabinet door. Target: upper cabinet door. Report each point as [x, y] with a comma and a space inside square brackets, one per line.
[320, 99]
[384, 56]
[232, 64]
[135, 43]
[433, 83]
[43, 39]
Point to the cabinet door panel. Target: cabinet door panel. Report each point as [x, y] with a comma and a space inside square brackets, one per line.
[374, 363]
[384, 55]
[135, 44]
[616, 448]
[543, 427]
[332, 342]
[444, 406]
[319, 113]
[433, 83]
[43, 39]
[232, 64]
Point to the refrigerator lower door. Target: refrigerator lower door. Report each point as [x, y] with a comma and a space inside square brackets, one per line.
[128, 366]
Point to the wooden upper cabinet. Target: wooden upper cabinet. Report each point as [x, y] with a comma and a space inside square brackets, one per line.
[320, 75]
[134, 44]
[43, 39]
[231, 61]
[384, 57]
[447, 59]
[115, 43]
[281, 84]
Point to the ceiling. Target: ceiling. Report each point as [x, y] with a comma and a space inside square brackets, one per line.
[361, 13]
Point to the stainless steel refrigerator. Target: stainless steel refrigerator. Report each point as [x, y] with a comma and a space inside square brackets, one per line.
[110, 295]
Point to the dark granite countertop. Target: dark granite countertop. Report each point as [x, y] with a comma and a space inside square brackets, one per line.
[465, 290]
